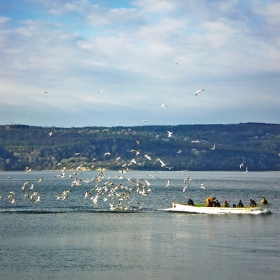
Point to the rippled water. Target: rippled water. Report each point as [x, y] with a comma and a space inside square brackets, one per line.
[74, 238]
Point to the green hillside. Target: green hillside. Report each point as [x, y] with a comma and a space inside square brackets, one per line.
[191, 147]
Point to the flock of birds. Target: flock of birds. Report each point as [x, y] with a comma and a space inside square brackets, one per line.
[118, 195]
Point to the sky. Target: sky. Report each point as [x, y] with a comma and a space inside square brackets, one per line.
[114, 63]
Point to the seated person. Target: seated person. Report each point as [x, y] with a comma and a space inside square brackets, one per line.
[225, 204]
[209, 201]
[240, 204]
[216, 203]
[253, 203]
[233, 205]
[190, 201]
[263, 201]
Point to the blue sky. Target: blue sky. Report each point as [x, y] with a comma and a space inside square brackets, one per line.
[144, 54]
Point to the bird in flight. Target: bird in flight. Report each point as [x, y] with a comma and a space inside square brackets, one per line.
[102, 90]
[163, 105]
[202, 186]
[169, 133]
[198, 91]
[146, 156]
[43, 92]
[213, 148]
[168, 183]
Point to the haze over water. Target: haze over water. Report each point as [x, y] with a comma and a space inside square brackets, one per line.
[75, 239]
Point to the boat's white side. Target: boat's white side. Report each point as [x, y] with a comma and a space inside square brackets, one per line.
[178, 207]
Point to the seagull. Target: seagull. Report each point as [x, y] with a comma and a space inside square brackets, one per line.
[144, 121]
[168, 183]
[146, 156]
[76, 154]
[161, 162]
[50, 133]
[107, 154]
[169, 133]
[240, 165]
[43, 92]
[184, 189]
[102, 90]
[179, 152]
[202, 186]
[198, 91]
[163, 105]
[136, 152]
[147, 183]
[213, 148]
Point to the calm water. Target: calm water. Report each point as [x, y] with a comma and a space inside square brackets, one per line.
[77, 239]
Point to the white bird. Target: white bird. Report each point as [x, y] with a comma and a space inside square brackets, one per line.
[169, 133]
[132, 161]
[240, 165]
[107, 154]
[179, 152]
[198, 91]
[161, 162]
[144, 121]
[202, 186]
[43, 92]
[146, 156]
[213, 148]
[163, 105]
[102, 90]
[246, 171]
[50, 133]
[147, 183]
[184, 189]
[168, 183]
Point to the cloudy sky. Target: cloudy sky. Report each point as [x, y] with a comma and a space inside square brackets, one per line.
[144, 53]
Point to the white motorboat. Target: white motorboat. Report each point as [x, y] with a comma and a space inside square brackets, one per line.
[202, 209]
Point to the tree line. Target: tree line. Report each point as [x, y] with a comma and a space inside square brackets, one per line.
[190, 147]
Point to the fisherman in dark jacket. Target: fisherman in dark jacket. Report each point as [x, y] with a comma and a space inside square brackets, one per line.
[253, 203]
[240, 204]
[190, 201]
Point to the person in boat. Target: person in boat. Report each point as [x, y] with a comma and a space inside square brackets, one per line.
[240, 204]
[209, 201]
[190, 201]
[253, 203]
[225, 204]
[263, 201]
[216, 203]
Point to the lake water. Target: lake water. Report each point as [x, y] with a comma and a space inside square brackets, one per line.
[77, 239]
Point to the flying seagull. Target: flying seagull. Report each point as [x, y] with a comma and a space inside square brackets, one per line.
[102, 90]
[198, 91]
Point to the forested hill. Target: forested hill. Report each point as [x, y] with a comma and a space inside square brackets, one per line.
[186, 147]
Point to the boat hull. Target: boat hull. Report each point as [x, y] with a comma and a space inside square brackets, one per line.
[179, 207]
